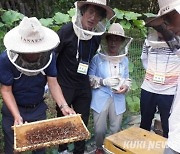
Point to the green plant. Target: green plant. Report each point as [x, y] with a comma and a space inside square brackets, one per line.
[136, 72]
[133, 24]
[131, 20]
[8, 20]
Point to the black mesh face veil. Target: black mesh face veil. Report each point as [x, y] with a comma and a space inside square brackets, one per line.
[123, 48]
[86, 34]
[39, 64]
[30, 67]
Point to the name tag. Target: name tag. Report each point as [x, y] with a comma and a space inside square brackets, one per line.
[159, 78]
[83, 68]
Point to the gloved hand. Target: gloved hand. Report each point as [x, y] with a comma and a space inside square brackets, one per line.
[117, 87]
[110, 81]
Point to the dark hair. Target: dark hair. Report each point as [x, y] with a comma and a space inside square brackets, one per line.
[101, 11]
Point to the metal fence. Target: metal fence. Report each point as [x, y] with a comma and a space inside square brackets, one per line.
[138, 70]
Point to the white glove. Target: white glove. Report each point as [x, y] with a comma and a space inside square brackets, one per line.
[111, 81]
[125, 83]
[117, 87]
[94, 81]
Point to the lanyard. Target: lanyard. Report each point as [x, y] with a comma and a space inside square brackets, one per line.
[81, 50]
[166, 62]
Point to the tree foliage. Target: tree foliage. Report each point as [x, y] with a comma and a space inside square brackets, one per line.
[46, 8]
[139, 6]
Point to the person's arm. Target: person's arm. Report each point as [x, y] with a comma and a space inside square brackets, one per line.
[144, 55]
[57, 94]
[10, 102]
[94, 80]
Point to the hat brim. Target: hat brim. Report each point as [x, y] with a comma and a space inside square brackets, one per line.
[110, 12]
[150, 20]
[123, 36]
[13, 41]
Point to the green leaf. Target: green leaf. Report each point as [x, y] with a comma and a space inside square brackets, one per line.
[2, 33]
[128, 99]
[149, 15]
[71, 12]
[136, 107]
[10, 17]
[55, 27]
[2, 10]
[134, 85]
[129, 103]
[119, 13]
[61, 18]
[46, 22]
[139, 23]
[1, 24]
[131, 15]
[133, 103]
[131, 67]
[136, 99]
[125, 24]
[144, 32]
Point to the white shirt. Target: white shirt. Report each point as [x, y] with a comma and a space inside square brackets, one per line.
[160, 61]
[174, 123]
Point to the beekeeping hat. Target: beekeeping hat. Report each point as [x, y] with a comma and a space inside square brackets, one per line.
[115, 29]
[30, 37]
[101, 3]
[100, 28]
[166, 6]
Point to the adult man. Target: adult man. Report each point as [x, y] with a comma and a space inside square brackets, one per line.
[75, 51]
[168, 24]
[25, 67]
[163, 65]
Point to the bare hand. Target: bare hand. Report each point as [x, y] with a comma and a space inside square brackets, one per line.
[66, 110]
[122, 89]
[18, 120]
